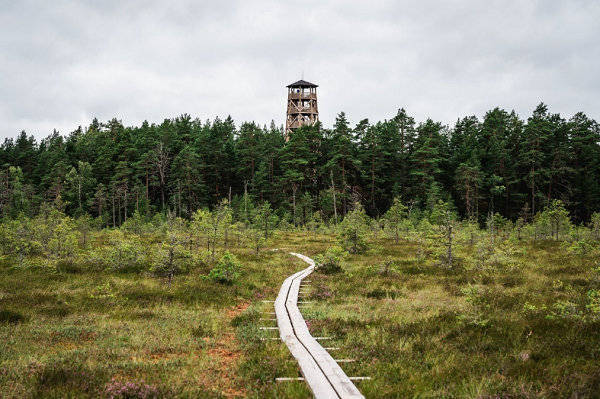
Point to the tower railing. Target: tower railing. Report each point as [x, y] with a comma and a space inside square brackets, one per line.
[294, 95]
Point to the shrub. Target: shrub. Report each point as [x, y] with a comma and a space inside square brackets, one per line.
[331, 261]
[395, 218]
[565, 309]
[171, 259]
[226, 271]
[126, 257]
[353, 230]
[379, 293]
[322, 292]
[387, 266]
[578, 247]
[130, 390]
[68, 266]
[206, 327]
[123, 254]
[594, 302]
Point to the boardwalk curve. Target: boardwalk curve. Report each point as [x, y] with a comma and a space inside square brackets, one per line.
[321, 372]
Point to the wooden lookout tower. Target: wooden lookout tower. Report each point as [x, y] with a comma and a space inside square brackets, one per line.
[301, 106]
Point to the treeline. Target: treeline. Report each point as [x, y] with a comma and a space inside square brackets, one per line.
[500, 164]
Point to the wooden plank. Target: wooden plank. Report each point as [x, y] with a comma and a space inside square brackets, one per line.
[317, 381]
[323, 375]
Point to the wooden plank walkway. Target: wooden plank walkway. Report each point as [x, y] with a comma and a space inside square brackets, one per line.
[323, 375]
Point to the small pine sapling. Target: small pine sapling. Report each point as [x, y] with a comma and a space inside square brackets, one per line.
[445, 219]
[172, 259]
[353, 229]
[227, 269]
[395, 216]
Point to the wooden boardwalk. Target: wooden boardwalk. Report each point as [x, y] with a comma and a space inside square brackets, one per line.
[321, 372]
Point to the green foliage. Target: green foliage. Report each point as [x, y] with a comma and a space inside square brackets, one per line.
[227, 269]
[316, 223]
[444, 219]
[395, 216]
[63, 242]
[594, 303]
[124, 253]
[353, 230]
[496, 164]
[558, 217]
[172, 258]
[387, 267]
[579, 247]
[264, 219]
[212, 226]
[136, 224]
[15, 198]
[18, 237]
[330, 262]
[255, 238]
[529, 304]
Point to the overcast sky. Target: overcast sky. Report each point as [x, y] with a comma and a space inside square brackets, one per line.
[63, 63]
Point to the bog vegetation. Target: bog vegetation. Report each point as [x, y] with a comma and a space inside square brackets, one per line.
[427, 303]
[450, 262]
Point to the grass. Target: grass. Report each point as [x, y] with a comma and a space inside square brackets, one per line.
[70, 332]
[425, 330]
[514, 328]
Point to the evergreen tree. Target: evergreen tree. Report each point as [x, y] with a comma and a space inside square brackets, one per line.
[501, 165]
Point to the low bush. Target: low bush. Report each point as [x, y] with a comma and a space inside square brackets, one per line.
[130, 390]
[227, 270]
[331, 261]
[206, 327]
[322, 292]
[171, 259]
[387, 267]
[68, 266]
[379, 293]
[353, 230]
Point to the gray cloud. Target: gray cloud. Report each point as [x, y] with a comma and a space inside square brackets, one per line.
[63, 63]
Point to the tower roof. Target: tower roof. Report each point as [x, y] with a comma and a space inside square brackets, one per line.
[302, 83]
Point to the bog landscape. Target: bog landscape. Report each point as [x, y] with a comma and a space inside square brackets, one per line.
[462, 261]
[329, 199]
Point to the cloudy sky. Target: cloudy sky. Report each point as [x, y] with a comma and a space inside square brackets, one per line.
[63, 63]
